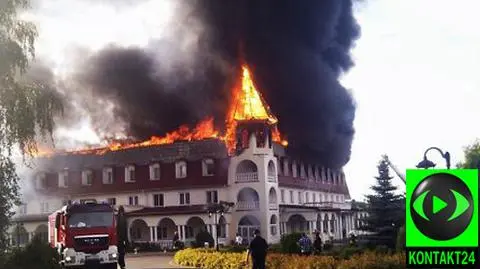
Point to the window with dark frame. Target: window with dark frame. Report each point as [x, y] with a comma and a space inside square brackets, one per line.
[212, 197]
[158, 200]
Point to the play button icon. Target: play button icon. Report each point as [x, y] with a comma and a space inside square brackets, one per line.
[438, 204]
[441, 206]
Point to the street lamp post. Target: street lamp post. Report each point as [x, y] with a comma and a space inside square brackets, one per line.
[426, 163]
[214, 210]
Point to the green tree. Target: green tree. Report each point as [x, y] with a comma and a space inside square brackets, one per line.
[385, 209]
[27, 108]
[472, 156]
[37, 254]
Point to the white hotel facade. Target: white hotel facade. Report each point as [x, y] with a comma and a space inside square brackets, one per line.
[166, 188]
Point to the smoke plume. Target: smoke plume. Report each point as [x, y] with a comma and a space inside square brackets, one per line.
[296, 50]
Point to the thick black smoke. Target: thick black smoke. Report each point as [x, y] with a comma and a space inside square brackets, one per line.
[296, 49]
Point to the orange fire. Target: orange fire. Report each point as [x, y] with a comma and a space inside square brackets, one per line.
[247, 104]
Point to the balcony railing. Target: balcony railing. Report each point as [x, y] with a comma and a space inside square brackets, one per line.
[271, 178]
[248, 205]
[272, 205]
[246, 177]
[333, 205]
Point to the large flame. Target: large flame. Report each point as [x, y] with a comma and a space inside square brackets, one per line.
[246, 104]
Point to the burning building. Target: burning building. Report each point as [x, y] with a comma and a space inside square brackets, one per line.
[167, 183]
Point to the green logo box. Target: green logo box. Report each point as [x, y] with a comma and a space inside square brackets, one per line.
[441, 208]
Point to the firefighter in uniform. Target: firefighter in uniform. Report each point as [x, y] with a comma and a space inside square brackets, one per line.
[121, 236]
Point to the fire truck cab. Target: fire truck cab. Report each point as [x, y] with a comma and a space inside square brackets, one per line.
[84, 233]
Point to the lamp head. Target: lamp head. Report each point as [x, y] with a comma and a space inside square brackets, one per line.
[426, 163]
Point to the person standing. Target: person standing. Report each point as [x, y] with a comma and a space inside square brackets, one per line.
[317, 244]
[122, 236]
[305, 245]
[258, 250]
[175, 240]
[238, 240]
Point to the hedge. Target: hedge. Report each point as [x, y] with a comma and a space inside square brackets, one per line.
[209, 259]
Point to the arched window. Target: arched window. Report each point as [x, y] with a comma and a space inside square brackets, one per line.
[273, 225]
[130, 173]
[208, 167]
[271, 171]
[155, 171]
[181, 169]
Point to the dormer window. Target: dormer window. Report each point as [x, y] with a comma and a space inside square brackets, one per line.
[41, 181]
[279, 167]
[155, 171]
[286, 170]
[181, 169]
[107, 177]
[87, 177]
[310, 173]
[303, 174]
[130, 173]
[294, 170]
[63, 179]
[323, 175]
[208, 167]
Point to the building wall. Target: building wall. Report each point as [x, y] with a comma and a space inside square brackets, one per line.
[267, 187]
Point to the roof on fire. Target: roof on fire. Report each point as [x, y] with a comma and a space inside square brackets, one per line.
[189, 151]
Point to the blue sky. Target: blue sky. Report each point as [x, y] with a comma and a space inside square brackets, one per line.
[415, 80]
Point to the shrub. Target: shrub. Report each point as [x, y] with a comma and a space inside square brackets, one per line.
[203, 237]
[275, 248]
[289, 243]
[400, 246]
[347, 252]
[234, 249]
[382, 249]
[36, 254]
[374, 260]
[328, 245]
[209, 259]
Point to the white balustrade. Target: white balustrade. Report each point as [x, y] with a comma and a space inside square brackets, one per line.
[246, 177]
[248, 205]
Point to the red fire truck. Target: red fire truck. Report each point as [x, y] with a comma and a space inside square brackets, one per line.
[84, 233]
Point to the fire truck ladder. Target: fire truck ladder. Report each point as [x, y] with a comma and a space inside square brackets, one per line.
[399, 174]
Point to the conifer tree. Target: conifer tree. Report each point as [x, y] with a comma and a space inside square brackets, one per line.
[386, 209]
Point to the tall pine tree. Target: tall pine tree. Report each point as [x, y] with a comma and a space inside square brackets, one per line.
[386, 210]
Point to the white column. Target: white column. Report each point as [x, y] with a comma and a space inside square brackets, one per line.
[341, 226]
[183, 233]
[227, 235]
[314, 223]
[349, 223]
[329, 226]
[155, 233]
[179, 232]
[321, 226]
[151, 233]
[214, 234]
[129, 235]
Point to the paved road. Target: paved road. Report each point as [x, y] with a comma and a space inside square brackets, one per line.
[150, 261]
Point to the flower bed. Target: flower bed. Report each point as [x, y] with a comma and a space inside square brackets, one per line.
[209, 259]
